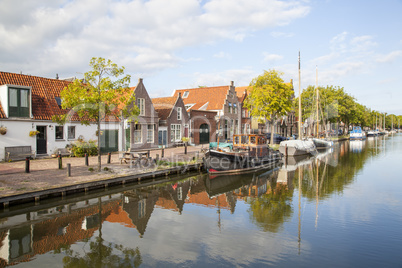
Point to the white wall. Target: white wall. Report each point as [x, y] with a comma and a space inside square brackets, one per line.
[18, 134]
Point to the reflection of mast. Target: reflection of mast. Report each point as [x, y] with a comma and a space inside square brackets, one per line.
[316, 196]
[300, 182]
[219, 213]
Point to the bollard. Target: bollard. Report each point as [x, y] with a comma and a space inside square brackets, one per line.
[157, 157]
[60, 162]
[163, 152]
[68, 170]
[185, 148]
[109, 156]
[27, 165]
[86, 159]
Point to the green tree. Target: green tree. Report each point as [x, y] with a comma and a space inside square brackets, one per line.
[97, 97]
[269, 98]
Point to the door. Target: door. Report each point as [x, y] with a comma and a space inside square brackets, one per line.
[204, 134]
[109, 140]
[162, 137]
[41, 140]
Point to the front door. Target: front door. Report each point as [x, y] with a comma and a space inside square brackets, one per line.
[162, 137]
[41, 140]
[109, 140]
[204, 134]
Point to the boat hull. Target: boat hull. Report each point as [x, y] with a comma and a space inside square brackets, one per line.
[216, 162]
[297, 147]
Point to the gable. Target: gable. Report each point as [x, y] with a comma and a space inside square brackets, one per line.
[141, 93]
[214, 96]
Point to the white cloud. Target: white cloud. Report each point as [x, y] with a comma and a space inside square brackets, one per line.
[272, 57]
[390, 57]
[222, 55]
[144, 35]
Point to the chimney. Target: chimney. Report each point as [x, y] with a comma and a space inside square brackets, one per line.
[179, 94]
[231, 83]
[139, 80]
[57, 76]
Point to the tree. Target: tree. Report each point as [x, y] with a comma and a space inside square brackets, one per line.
[269, 98]
[97, 97]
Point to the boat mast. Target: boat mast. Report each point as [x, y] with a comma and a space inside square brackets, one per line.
[300, 113]
[316, 86]
[384, 120]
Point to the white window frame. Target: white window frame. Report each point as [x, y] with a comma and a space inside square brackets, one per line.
[141, 105]
[69, 128]
[137, 133]
[185, 94]
[179, 113]
[62, 133]
[150, 133]
[175, 132]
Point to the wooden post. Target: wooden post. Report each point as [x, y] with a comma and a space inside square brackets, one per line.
[185, 148]
[163, 151]
[60, 162]
[86, 159]
[68, 170]
[27, 165]
[109, 156]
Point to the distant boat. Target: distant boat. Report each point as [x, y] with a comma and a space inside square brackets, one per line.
[357, 134]
[297, 147]
[372, 133]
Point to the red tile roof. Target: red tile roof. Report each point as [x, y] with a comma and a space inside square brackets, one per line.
[211, 97]
[44, 91]
[164, 106]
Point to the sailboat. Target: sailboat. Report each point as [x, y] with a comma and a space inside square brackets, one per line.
[298, 147]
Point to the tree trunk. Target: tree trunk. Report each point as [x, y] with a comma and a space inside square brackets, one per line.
[99, 146]
[272, 132]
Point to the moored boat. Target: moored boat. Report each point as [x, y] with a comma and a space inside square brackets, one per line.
[250, 152]
[322, 143]
[297, 147]
[357, 134]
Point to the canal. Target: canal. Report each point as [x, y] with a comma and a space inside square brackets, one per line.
[342, 208]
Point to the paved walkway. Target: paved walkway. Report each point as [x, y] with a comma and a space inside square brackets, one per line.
[44, 173]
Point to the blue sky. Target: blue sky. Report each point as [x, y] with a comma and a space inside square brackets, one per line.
[174, 44]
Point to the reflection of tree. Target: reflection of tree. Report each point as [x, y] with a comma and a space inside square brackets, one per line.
[101, 255]
[270, 210]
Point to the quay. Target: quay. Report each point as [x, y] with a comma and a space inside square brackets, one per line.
[45, 179]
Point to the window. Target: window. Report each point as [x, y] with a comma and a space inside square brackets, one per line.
[229, 107]
[185, 94]
[150, 134]
[141, 106]
[175, 132]
[235, 108]
[137, 134]
[178, 113]
[19, 102]
[71, 132]
[59, 132]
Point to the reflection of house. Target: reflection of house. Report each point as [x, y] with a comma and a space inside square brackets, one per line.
[222, 100]
[174, 196]
[27, 103]
[144, 130]
[173, 120]
[21, 243]
[139, 205]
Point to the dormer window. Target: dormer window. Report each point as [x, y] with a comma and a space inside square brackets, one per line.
[19, 102]
[178, 113]
[58, 100]
[185, 94]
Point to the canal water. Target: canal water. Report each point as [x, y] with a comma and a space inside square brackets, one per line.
[342, 208]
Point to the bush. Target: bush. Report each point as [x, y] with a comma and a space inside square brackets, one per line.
[80, 148]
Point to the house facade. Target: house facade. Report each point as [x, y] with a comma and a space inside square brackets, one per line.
[28, 103]
[173, 120]
[222, 100]
[142, 131]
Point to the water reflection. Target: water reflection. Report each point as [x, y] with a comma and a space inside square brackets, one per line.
[270, 196]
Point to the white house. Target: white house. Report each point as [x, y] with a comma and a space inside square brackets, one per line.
[27, 103]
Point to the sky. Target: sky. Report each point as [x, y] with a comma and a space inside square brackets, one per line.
[177, 44]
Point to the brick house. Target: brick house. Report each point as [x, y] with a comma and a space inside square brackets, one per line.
[173, 120]
[222, 100]
[142, 132]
